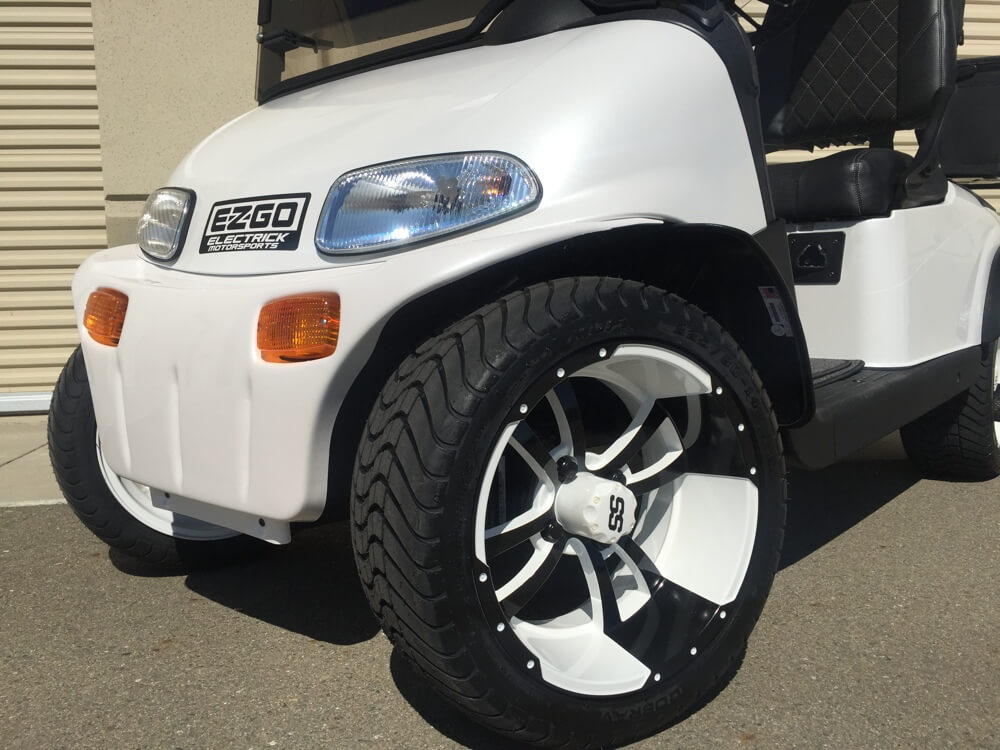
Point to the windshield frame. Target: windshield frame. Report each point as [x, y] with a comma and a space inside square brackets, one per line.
[422, 48]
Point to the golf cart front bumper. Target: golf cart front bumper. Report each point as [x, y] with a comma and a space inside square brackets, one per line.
[186, 404]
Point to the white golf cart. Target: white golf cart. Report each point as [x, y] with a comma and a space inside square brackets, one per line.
[510, 283]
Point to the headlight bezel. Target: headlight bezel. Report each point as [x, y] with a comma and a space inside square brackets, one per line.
[332, 203]
[181, 231]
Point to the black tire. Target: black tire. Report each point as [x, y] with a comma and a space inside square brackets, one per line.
[958, 440]
[72, 436]
[418, 473]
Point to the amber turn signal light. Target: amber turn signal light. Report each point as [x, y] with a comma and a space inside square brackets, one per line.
[299, 328]
[104, 316]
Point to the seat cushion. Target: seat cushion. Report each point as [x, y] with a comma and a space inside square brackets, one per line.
[852, 184]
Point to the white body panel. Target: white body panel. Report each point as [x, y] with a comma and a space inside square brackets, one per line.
[670, 144]
[913, 285]
[185, 403]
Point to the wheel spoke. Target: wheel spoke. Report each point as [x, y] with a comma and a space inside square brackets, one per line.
[530, 447]
[520, 529]
[640, 485]
[566, 409]
[522, 588]
[713, 523]
[629, 550]
[649, 418]
[602, 593]
[669, 622]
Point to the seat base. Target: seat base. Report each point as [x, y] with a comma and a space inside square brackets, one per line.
[855, 184]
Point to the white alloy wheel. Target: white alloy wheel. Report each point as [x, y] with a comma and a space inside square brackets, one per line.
[568, 510]
[613, 568]
[137, 500]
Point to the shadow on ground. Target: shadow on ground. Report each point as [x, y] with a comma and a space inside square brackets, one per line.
[309, 587]
[824, 504]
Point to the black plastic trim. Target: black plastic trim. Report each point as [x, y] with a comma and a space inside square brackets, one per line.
[829, 371]
[991, 308]
[855, 412]
[450, 42]
[817, 257]
[773, 240]
[526, 19]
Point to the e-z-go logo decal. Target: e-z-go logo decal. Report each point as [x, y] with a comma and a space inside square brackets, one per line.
[268, 222]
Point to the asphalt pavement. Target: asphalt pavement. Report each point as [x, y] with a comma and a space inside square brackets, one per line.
[881, 632]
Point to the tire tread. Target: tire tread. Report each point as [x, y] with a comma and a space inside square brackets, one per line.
[394, 550]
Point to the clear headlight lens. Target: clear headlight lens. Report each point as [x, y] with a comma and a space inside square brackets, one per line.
[164, 222]
[395, 204]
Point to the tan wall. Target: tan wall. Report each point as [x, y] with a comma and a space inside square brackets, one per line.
[168, 74]
[51, 195]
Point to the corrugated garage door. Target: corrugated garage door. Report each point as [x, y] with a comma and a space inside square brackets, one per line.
[51, 199]
[982, 39]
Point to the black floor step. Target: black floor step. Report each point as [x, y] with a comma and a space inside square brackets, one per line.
[826, 371]
[855, 411]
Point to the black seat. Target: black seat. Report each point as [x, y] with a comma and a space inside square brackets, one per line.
[836, 72]
[856, 184]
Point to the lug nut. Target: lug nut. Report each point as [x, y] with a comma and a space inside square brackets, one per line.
[567, 469]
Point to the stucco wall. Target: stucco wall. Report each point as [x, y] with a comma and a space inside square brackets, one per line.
[168, 74]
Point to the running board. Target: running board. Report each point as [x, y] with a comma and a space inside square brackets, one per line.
[854, 412]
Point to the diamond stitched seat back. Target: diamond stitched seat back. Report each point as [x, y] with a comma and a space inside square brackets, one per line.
[842, 71]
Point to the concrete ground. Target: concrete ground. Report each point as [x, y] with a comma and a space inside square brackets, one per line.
[881, 631]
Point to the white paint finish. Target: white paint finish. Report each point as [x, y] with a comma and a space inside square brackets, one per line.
[913, 285]
[652, 371]
[268, 529]
[482, 501]
[583, 660]
[694, 164]
[584, 508]
[141, 502]
[574, 652]
[710, 537]
[185, 403]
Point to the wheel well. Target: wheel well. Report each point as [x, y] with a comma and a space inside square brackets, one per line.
[720, 270]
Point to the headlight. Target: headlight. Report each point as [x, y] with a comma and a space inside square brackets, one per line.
[164, 222]
[403, 202]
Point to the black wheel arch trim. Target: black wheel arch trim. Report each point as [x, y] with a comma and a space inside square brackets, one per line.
[991, 306]
[719, 269]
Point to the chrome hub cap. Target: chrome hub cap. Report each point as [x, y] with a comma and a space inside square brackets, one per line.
[616, 520]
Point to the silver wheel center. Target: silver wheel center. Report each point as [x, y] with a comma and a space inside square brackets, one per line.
[596, 508]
